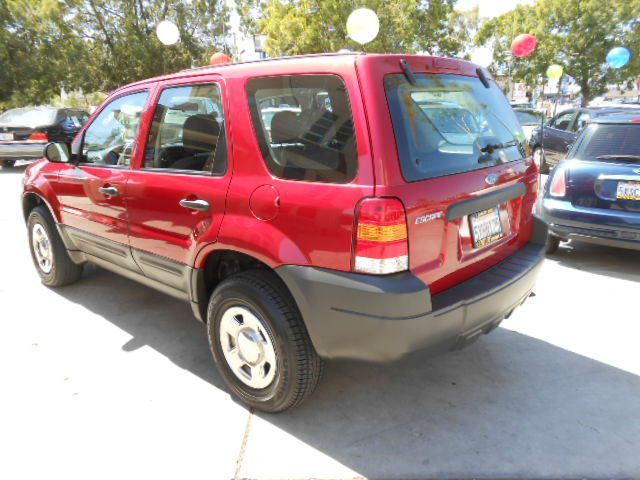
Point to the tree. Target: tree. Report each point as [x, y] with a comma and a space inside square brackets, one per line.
[574, 33]
[295, 27]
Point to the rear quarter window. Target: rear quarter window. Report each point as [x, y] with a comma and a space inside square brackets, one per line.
[304, 127]
[449, 124]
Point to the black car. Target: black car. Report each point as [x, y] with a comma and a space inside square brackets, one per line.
[551, 143]
[594, 196]
[25, 131]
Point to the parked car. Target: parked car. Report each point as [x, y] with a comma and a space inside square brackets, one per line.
[25, 131]
[348, 227]
[551, 143]
[529, 119]
[594, 196]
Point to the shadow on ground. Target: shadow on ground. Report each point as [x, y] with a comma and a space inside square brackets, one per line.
[510, 405]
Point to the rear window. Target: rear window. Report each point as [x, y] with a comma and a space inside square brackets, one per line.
[304, 127]
[28, 117]
[448, 124]
[529, 117]
[609, 141]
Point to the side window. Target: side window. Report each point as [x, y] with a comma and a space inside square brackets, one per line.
[110, 138]
[304, 127]
[581, 121]
[563, 121]
[188, 131]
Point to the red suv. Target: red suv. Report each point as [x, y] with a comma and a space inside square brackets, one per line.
[354, 206]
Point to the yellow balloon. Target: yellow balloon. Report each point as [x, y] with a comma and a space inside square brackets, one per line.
[554, 72]
[363, 25]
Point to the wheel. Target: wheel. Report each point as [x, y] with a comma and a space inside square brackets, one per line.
[49, 254]
[552, 244]
[259, 342]
[538, 157]
[8, 163]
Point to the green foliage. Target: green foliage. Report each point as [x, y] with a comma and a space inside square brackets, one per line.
[295, 27]
[574, 33]
[98, 45]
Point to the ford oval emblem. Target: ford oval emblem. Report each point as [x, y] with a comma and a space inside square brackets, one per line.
[491, 179]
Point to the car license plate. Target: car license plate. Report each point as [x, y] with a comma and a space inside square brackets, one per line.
[628, 191]
[6, 136]
[486, 227]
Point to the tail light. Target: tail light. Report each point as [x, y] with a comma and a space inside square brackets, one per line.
[39, 136]
[381, 245]
[558, 187]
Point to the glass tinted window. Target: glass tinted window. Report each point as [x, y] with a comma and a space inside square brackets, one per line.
[529, 117]
[304, 127]
[563, 121]
[188, 130]
[446, 124]
[110, 138]
[581, 121]
[613, 141]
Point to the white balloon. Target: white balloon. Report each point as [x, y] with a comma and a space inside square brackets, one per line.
[167, 32]
[482, 56]
[363, 25]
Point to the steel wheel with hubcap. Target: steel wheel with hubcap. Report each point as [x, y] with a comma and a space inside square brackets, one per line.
[42, 248]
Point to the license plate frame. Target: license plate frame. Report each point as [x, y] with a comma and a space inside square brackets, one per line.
[628, 190]
[486, 227]
[6, 137]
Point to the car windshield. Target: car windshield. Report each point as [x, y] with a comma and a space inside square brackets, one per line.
[614, 141]
[447, 124]
[28, 117]
[527, 117]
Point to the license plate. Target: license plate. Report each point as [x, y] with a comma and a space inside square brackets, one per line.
[6, 136]
[628, 191]
[486, 227]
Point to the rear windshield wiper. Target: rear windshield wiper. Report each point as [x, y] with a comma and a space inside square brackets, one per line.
[618, 157]
[492, 147]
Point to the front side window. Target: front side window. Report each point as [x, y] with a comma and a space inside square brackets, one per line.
[188, 131]
[581, 121]
[448, 124]
[563, 121]
[304, 127]
[110, 138]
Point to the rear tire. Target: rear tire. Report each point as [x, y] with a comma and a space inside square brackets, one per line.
[49, 254]
[259, 342]
[552, 244]
[8, 163]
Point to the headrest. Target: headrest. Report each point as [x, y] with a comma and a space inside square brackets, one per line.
[285, 127]
[200, 133]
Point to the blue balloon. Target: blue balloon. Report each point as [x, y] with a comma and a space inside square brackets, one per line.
[618, 57]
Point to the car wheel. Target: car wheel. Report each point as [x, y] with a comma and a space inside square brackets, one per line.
[8, 163]
[538, 157]
[260, 343]
[49, 254]
[552, 244]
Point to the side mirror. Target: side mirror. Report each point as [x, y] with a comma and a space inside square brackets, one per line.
[57, 152]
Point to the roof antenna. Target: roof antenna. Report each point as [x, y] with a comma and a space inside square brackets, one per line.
[408, 72]
[483, 78]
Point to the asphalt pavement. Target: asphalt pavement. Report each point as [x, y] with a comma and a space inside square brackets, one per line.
[109, 379]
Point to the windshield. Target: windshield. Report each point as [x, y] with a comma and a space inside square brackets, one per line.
[447, 124]
[529, 117]
[28, 117]
[609, 142]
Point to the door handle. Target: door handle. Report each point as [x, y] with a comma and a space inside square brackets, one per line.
[201, 205]
[111, 191]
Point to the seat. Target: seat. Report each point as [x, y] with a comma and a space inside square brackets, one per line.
[199, 139]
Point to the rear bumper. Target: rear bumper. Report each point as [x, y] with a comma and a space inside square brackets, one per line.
[593, 225]
[21, 151]
[382, 318]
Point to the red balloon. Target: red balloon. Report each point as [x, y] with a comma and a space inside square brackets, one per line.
[523, 45]
[219, 58]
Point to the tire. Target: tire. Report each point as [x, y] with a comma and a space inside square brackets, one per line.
[60, 270]
[8, 163]
[552, 244]
[544, 168]
[258, 307]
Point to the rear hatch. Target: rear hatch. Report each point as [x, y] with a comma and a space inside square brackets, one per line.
[19, 124]
[469, 183]
[607, 175]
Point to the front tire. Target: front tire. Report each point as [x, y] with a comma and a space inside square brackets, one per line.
[49, 254]
[552, 244]
[259, 342]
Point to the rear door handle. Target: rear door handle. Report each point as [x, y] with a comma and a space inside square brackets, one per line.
[198, 204]
[111, 191]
